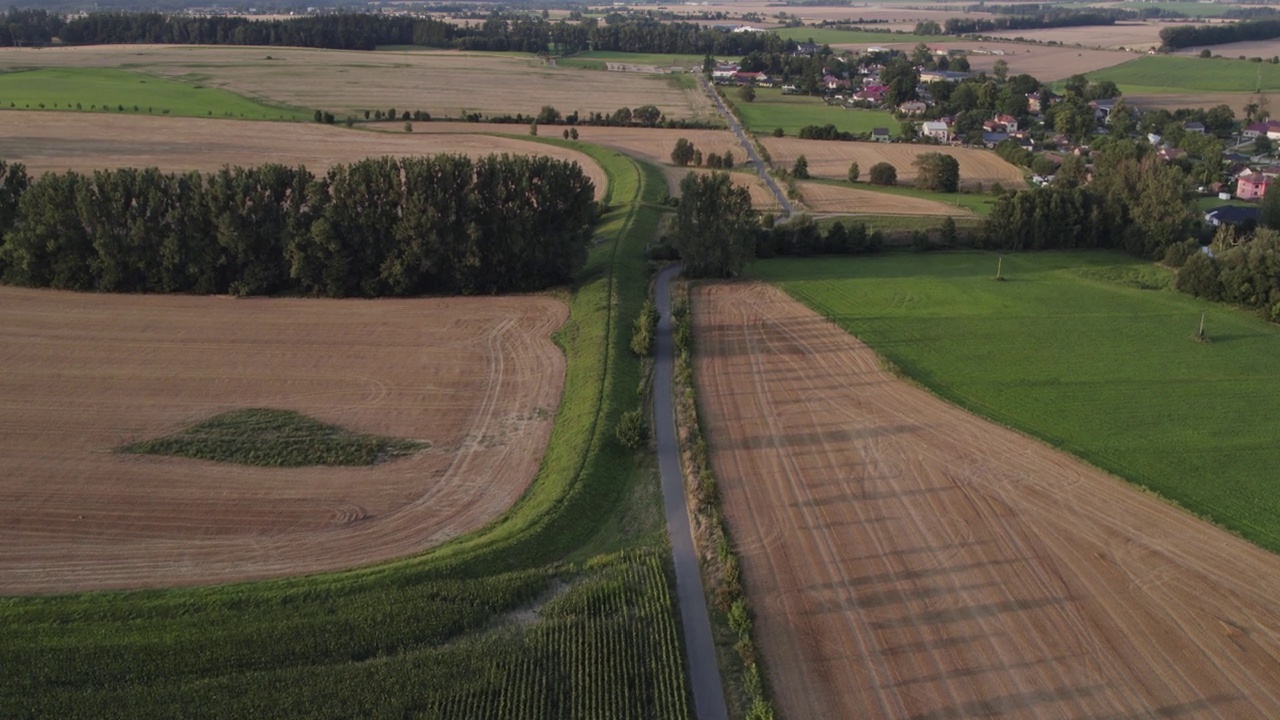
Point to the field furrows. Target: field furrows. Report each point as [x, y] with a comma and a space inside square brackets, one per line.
[479, 378]
[908, 559]
[831, 159]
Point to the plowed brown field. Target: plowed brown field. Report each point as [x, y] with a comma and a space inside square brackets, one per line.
[56, 142]
[828, 199]
[831, 159]
[477, 377]
[909, 560]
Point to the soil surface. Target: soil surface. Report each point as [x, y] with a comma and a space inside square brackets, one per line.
[479, 378]
[906, 559]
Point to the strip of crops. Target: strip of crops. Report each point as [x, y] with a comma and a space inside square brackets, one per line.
[453, 633]
[1089, 351]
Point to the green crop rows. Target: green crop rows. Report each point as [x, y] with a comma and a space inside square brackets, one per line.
[275, 438]
[560, 609]
[122, 91]
[1091, 352]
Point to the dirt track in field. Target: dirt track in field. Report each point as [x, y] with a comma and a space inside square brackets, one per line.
[906, 559]
[84, 373]
[59, 141]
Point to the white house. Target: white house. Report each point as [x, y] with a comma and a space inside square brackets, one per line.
[937, 130]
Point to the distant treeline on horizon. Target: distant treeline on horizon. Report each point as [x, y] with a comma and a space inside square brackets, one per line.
[441, 225]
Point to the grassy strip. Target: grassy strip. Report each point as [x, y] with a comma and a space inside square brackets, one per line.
[435, 635]
[1090, 352]
[122, 91]
[275, 438]
[731, 611]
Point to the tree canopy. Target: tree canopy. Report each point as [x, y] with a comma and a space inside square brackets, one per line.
[714, 227]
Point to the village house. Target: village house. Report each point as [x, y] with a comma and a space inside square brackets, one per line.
[1270, 128]
[880, 135]
[912, 107]
[1252, 184]
[936, 130]
[724, 72]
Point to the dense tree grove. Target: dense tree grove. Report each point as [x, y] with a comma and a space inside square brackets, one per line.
[1181, 36]
[360, 31]
[441, 225]
[714, 228]
[937, 171]
[1243, 269]
[20, 28]
[1034, 16]
[1135, 203]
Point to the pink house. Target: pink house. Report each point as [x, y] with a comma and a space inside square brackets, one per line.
[1251, 185]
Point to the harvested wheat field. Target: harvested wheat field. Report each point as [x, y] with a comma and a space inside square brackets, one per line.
[831, 159]
[909, 560]
[478, 378]
[1132, 35]
[57, 141]
[442, 82]
[848, 200]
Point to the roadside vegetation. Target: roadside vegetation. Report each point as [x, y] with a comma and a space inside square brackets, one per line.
[1090, 351]
[561, 609]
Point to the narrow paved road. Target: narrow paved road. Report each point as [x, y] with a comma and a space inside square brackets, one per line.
[704, 673]
[736, 127]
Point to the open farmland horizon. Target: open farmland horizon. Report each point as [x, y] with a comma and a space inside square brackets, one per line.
[444, 83]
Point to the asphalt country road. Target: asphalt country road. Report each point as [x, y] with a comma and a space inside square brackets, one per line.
[700, 651]
[736, 127]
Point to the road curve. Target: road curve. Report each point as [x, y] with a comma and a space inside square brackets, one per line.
[700, 651]
[787, 208]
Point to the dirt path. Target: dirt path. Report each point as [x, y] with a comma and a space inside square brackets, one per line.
[909, 560]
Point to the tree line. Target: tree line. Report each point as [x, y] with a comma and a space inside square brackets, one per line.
[1181, 36]
[363, 31]
[1041, 17]
[378, 227]
[1242, 268]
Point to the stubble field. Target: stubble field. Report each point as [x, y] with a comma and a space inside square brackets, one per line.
[443, 83]
[831, 159]
[57, 142]
[909, 560]
[477, 378]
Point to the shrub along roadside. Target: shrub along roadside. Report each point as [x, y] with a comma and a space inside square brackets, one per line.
[720, 564]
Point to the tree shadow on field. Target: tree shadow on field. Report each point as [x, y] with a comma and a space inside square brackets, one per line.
[818, 438]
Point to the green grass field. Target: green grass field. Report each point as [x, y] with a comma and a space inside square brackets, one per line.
[831, 36]
[109, 90]
[771, 109]
[1089, 351]
[438, 635]
[596, 59]
[1153, 74]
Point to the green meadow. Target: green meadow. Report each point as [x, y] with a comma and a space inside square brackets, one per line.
[771, 109]
[1091, 352]
[562, 608]
[1153, 74]
[121, 91]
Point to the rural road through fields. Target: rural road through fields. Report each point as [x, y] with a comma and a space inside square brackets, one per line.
[704, 673]
[736, 127]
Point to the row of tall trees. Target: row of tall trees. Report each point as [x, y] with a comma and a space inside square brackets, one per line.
[1241, 268]
[1181, 36]
[383, 226]
[361, 31]
[1033, 17]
